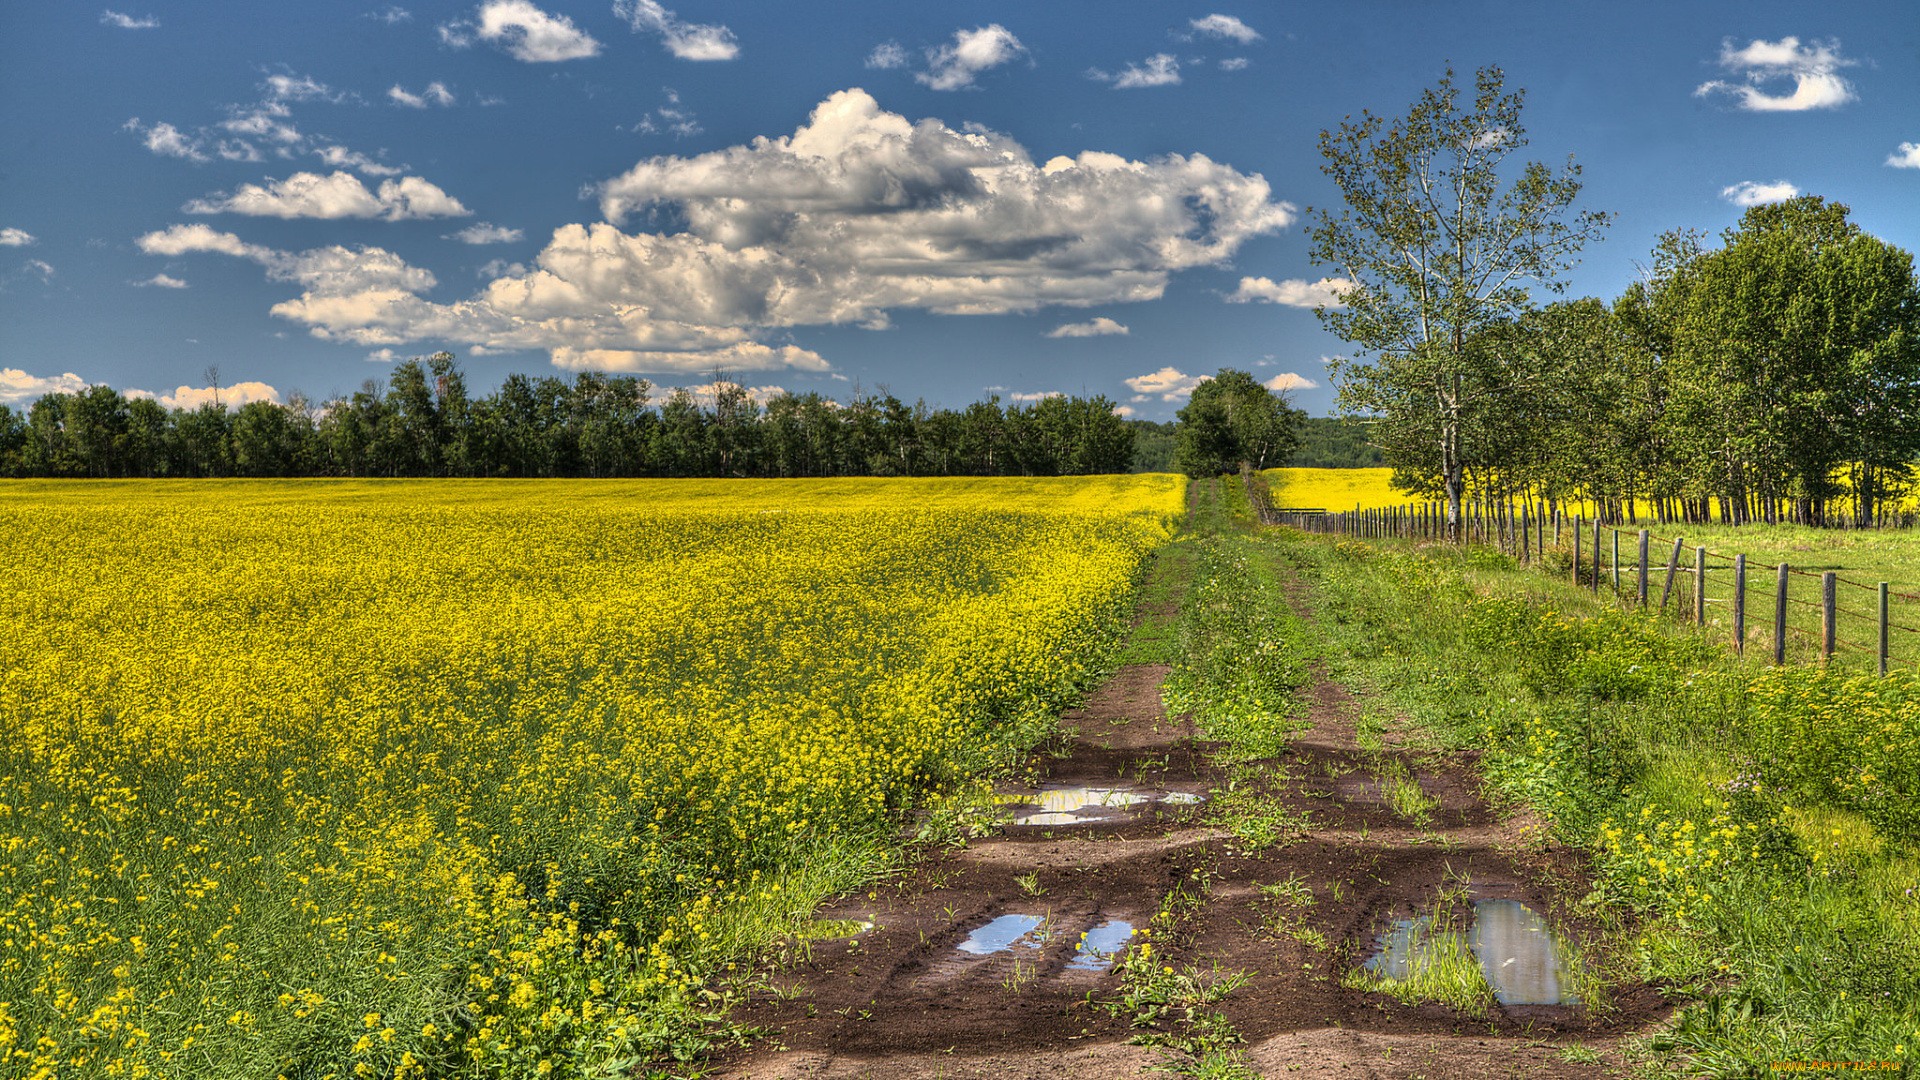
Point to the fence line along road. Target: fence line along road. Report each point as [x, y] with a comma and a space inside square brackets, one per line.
[1521, 529]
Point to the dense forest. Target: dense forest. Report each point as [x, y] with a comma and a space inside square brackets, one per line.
[424, 423]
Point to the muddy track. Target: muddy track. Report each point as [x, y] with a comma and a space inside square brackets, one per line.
[974, 965]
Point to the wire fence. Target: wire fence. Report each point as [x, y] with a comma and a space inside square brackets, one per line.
[1799, 613]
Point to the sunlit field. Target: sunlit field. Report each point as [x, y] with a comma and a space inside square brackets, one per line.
[472, 779]
[1332, 490]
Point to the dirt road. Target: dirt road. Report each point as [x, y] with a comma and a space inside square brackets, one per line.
[993, 959]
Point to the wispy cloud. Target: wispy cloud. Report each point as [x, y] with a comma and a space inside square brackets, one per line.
[128, 22]
[953, 67]
[1041, 395]
[436, 93]
[687, 41]
[1160, 69]
[1225, 27]
[1813, 70]
[1097, 328]
[161, 281]
[887, 55]
[485, 233]
[339, 195]
[524, 31]
[1233, 63]
[391, 14]
[1293, 292]
[1752, 193]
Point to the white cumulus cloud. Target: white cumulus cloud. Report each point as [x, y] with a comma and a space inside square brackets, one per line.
[858, 212]
[1226, 27]
[1287, 381]
[953, 67]
[1293, 292]
[162, 281]
[688, 41]
[12, 237]
[1907, 157]
[1169, 384]
[526, 32]
[1750, 193]
[128, 22]
[228, 397]
[1096, 328]
[339, 195]
[1234, 63]
[1813, 70]
[1039, 396]
[16, 386]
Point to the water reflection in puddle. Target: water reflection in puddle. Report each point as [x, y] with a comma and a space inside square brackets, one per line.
[1001, 934]
[1068, 806]
[1518, 954]
[1101, 944]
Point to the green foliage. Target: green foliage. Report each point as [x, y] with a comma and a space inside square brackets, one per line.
[1438, 259]
[1729, 807]
[1851, 742]
[1230, 419]
[1241, 649]
[1334, 442]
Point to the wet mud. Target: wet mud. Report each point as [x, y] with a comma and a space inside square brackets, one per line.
[991, 959]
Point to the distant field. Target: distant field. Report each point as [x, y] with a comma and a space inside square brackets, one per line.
[1331, 489]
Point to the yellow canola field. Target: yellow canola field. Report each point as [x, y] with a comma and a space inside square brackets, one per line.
[476, 779]
[1332, 490]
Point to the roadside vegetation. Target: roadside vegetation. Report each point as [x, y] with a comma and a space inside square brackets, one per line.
[1751, 829]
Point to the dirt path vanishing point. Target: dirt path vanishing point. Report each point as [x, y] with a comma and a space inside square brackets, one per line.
[974, 966]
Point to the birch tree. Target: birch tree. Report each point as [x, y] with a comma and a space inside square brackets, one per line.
[1437, 253]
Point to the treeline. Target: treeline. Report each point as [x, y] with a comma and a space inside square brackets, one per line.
[1774, 377]
[424, 423]
[1333, 442]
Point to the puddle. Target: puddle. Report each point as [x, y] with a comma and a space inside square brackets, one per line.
[1001, 934]
[1071, 806]
[1518, 954]
[1101, 944]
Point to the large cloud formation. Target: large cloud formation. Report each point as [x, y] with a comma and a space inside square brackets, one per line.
[856, 213]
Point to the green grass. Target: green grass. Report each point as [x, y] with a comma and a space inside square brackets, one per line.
[1746, 865]
[1861, 558]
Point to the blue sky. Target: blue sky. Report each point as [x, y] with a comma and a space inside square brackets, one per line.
[947, 201]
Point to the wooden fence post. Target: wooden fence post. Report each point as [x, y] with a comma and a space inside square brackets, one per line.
[1700, 586]
[1616, 562]
[1827, 611]
[1883, 629]
[1673, 564]
[1739, 604]
[1576, 546]
[1643, 569]
[1596, 553]
[1780, 618]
